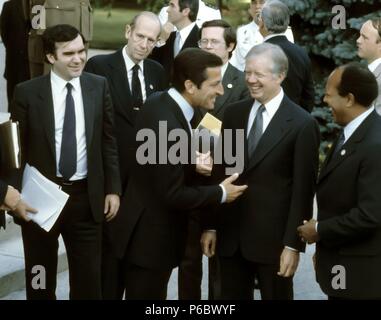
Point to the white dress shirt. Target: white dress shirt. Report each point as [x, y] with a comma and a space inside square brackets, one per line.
[271, 108]
[184, 33]
[129, 65]
[373, 66]
[59, 92]
[205, 13]
[223, 69]
[188, 112]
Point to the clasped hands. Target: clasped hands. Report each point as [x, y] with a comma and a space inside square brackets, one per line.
[307, 232]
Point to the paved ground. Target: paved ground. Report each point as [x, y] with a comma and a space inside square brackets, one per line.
[305, 286]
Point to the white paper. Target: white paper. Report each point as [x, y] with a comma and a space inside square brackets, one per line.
[4, 117]
[43, 195]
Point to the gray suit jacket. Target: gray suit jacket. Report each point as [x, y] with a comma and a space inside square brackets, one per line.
[377, 74]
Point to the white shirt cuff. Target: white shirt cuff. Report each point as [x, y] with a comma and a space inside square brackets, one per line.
[316, 224]
[223, 199]
[292, 249]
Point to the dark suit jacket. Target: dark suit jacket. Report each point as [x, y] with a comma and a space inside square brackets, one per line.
[281, 177]
[349, 214]
[3, 192]
[113, 68]
[235, 89]
[298, 84]
[164, 54]
[14, 33]
[159, 197]
[33, 108]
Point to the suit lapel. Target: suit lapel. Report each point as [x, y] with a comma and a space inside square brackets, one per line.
[348, 148]
[46, 109]
[120, 83]
[148, 77]
[191, 40]
[228, 82]
[377, 72]
[277, 129]
[88, 108]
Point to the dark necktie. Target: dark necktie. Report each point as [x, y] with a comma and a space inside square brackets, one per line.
[136, 88]
[339, 143]
[68, 157]
[255, 131]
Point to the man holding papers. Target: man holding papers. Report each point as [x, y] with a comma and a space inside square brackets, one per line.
[66, 129]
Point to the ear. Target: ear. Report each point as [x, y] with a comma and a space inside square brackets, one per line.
[281, 77]
[190, 87]
[231, 46]
[127, 33]
[350, 100]
[185, 12]
[51, 58]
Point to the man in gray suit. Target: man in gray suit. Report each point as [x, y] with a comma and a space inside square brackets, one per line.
[369, 48]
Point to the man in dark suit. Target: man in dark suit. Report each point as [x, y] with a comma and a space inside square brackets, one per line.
[129, 89]
[14, 33]
[298, 85]
[66, 126]
[161, 193]
[256, 235]
[348, 227]
[182, 14]
[219, 38]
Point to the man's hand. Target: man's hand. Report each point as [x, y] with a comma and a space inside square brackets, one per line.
[307, 232]
[166, 30]
[112, 203]
[204, 163]
[232, 191]
[12, 198]
[289, 261]
[21, 211]
[208, 243]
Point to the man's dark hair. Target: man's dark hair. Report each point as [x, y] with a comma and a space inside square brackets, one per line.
[191, 64]
[359, 81]
[59, 33]
[229, 32]
[192, 5]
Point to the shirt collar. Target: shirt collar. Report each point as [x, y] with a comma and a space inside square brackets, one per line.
[60, 84]
[223, 69]
[351, 127]
[253, 25]
[272, 106]
[373, 66]
[129, 63]
[184, 33]
[269, 36]
[184, 105]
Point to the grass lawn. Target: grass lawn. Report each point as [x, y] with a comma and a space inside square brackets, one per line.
[109, 31]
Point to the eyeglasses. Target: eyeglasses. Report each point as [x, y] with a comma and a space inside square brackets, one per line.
[203, 43]
[140, 38]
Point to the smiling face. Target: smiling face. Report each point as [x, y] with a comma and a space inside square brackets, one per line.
[142, 38]
[205, 96]
[369, 43]
[69, 58]
[263, 84]
[338, 104]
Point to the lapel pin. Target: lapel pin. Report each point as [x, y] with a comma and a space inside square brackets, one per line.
[151, 86]
[343, 152]
[230, 85]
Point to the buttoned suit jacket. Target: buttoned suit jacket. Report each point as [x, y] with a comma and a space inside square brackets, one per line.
[349, 215]
[281, 179]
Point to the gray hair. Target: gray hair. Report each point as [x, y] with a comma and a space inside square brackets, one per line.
[275, 53]
[275, 16]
